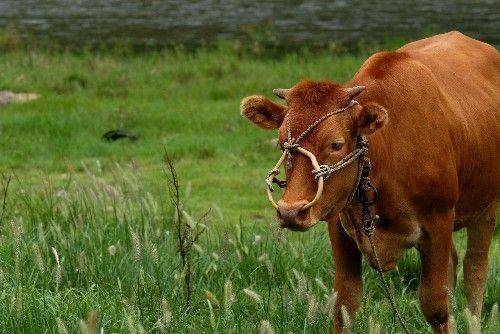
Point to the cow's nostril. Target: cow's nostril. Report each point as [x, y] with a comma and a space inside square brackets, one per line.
[291, 212]
[303, 214]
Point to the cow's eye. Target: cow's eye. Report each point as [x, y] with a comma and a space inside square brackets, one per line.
[337, 144]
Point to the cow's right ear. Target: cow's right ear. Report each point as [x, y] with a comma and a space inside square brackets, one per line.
[262, 111]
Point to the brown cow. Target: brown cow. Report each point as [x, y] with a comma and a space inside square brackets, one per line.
[430, 111]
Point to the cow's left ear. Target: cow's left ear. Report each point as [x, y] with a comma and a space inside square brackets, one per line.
[370, 118]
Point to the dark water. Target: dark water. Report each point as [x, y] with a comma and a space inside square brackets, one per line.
[157, 23]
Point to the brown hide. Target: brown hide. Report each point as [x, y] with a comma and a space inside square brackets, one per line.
[431, 112]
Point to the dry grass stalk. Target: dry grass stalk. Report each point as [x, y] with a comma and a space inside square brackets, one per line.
[187, 230]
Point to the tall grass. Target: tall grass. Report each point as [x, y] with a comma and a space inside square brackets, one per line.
[100, 255]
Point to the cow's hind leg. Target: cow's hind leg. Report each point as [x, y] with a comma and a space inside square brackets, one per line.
[479, 234]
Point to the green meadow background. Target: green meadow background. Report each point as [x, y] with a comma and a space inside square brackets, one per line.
[87, 230]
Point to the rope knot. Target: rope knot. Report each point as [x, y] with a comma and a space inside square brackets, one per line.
[324, 170]
[290, 146]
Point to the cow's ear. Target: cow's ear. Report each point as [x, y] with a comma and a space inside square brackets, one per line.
[370, 118]
[262, 111]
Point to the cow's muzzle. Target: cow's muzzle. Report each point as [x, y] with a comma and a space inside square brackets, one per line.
[271, 178]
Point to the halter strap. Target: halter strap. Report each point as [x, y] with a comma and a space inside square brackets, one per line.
[292, 143]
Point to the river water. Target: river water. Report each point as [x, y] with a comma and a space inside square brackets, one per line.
[158, 23]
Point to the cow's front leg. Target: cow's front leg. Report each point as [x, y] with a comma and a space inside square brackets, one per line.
[435, 248]
[347, 284]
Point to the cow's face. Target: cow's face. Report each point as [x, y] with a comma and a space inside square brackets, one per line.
[330, 141]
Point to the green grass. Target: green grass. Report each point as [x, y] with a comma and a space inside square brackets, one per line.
[104, 207]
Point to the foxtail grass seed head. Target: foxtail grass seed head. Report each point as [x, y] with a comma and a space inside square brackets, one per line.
[373, 326]
[301, 289]
[262, 257]
[294, 251]
[493, 322]
[218, 211]
[256, 239]
[473, 324]
[215, 256]
[329, 304]
[238, 233]
[112, 250]
[213, 299]
[232, 242]
[452, 327]
[130, 323]
[61, 326]
[38, 258]
[136, 245]
[266, 327]
[212, 268]
[198, 248]
[41, 234]
[82, 261]
[189, 220]
[19, 302]
[321, 284]
[153, 254]
[211, 314]
[58, 274]
[254, 296]
[312, 309]
[167, 313]
[228, 297]
[269, 266]
[89, 325]
[239, 257]
[346, 320]
[16, 232]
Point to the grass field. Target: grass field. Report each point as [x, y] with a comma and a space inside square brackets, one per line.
[88, 231]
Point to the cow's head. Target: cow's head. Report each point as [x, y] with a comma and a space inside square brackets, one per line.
[330, 141]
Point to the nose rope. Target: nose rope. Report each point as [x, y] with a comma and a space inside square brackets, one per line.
[326, 170]
[292, 144]
[321, 173]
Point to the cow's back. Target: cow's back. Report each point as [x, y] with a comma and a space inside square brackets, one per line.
[454, 101]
